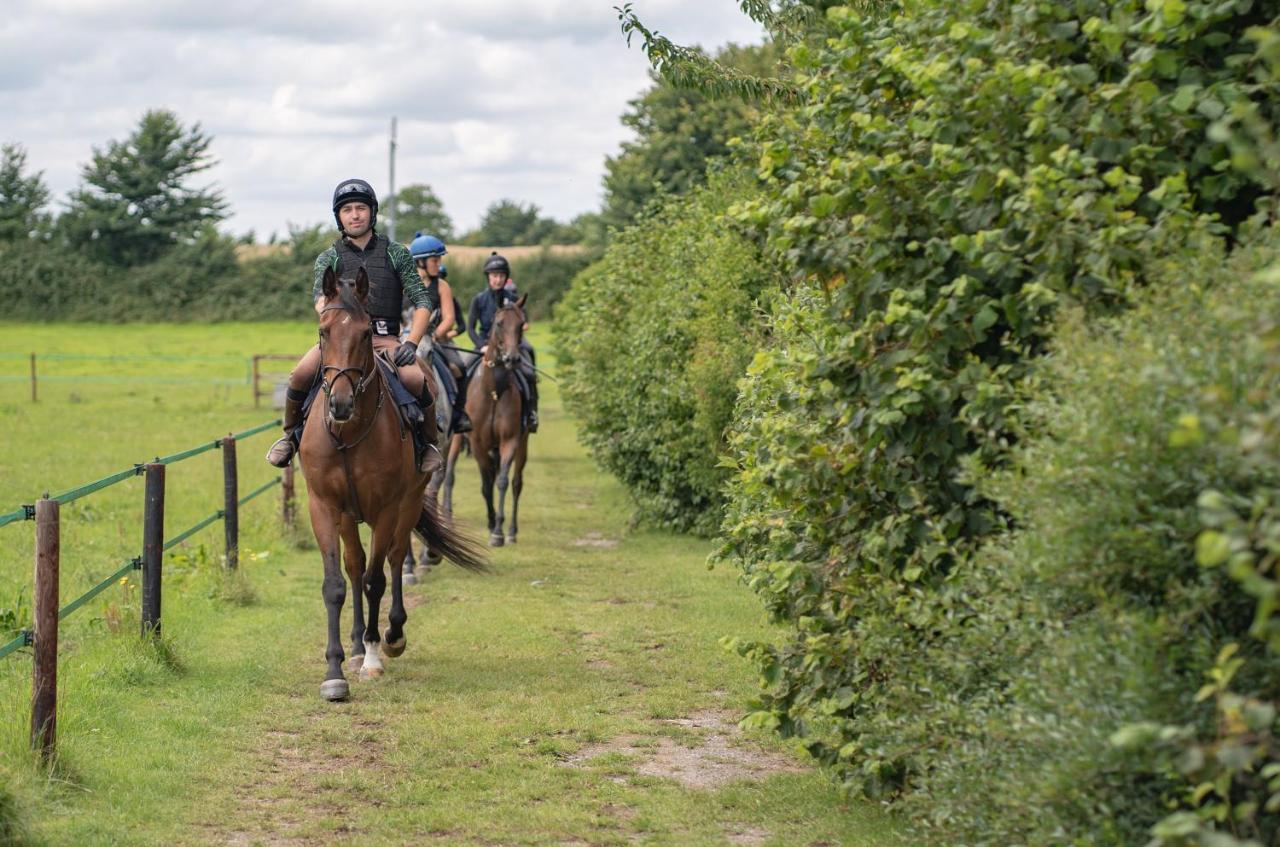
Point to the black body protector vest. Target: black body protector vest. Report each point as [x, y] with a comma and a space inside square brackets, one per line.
[385, 288]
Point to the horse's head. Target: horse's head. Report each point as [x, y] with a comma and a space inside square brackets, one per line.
[507, 333]
[346, 343]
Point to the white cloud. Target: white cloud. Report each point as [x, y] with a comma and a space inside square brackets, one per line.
[495, 98]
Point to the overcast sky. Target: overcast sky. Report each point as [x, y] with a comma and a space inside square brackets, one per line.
[495, 98]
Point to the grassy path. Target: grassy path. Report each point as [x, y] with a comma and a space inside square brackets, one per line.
[578, 696]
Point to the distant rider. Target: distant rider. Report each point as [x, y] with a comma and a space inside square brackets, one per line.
[427, 252]
[484, 307]
[391, 276]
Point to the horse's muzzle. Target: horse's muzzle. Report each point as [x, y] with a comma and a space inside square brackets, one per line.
[340, 410]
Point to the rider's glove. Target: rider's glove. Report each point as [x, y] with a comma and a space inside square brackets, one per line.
[405, 354]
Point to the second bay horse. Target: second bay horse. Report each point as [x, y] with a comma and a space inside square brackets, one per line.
[499, 440]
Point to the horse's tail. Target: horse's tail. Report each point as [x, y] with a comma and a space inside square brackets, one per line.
[450, 542]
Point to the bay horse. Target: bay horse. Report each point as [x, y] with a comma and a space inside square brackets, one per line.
[358, 460]
[499, 440]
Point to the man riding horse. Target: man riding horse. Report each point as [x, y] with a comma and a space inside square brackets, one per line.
[392, 275]
[484, 306]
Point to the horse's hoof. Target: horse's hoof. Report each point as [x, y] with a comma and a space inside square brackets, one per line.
[408, 578]
[432, 559]
[392, 649]
[367, 674]
[356, 662]
[511, 539]
[334, 689]
[495, 541]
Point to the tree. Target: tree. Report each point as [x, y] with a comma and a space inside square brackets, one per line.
[418, 209]
[22, 198]
[136, 201]
[679, 131]
[507, 222]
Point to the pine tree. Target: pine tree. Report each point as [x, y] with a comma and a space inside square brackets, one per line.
[136, 201]
[22, 198]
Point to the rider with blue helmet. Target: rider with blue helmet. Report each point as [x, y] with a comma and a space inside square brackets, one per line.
[428, 254]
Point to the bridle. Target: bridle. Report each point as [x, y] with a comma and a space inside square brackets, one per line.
[358, 384]
[506, 360]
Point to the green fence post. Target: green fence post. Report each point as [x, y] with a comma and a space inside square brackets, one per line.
[44, 675]
[152, 549]
[231, 501]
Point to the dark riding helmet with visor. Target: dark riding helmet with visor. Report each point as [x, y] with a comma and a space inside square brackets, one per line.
[497, 263]
[355, 191]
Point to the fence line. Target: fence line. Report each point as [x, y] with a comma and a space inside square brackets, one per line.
[43, 633]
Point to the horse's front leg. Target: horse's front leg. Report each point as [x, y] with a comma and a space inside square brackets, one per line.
[324, 522]
[517, 485]
[484, 461]
[504, 478]
[353, 556]
[375, 585]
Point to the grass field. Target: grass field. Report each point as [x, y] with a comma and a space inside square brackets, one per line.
[577, 696]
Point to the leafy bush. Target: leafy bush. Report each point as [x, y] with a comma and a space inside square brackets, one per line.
[997, 721]
[651, 341]
[956, 173]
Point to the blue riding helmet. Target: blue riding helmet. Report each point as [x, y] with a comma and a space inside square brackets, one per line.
[423, 246]
[444, 271]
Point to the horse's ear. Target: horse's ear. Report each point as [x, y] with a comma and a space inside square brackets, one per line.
[520, 302]
[362, 285]
[330, 284]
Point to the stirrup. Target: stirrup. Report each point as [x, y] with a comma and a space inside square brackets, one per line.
[431, 460]
[281, 453]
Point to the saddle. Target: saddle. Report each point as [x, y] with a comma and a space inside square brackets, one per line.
[521, 381]
[409, 407]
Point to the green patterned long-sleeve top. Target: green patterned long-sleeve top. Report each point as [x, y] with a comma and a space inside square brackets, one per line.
[401, 262]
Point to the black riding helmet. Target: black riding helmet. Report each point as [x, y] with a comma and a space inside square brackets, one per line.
[497, 262]
[355, 190]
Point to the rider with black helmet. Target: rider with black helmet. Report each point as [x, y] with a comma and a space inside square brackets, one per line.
[484, 306]
[391, 276]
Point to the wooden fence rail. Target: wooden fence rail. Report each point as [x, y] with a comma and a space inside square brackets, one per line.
[43, 634]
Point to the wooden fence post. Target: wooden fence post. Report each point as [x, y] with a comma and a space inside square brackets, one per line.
[287, 507]
[256, 395]
[44, 677]
[152, 549]
[231, 501]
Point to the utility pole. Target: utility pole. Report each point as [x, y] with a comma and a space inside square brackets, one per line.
[391, 187]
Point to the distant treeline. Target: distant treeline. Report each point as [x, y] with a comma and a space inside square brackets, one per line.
[136, 241]
[204, 281]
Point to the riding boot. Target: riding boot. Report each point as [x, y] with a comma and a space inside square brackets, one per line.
[533, 405]
[281, 453]
[431, 460]
[461, 423]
